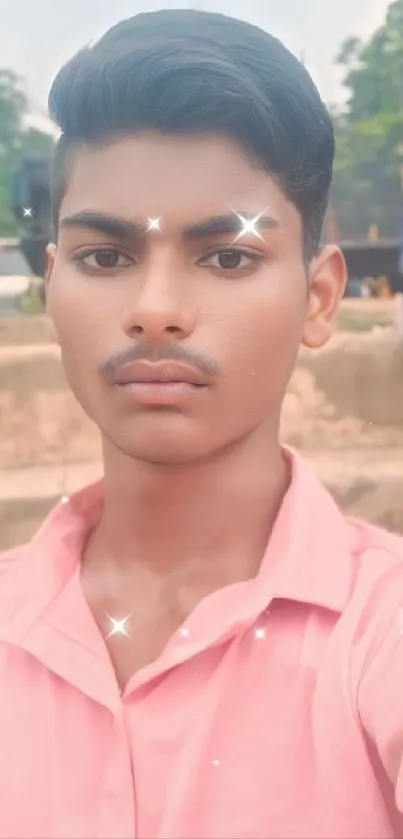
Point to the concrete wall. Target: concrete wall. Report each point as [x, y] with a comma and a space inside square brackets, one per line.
[344, 409]
[348, 396]
[41, 422]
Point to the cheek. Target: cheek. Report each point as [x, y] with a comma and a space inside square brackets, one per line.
[81, 326]
[79, 317]
[263, 335]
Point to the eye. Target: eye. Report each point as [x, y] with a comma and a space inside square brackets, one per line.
[102, 260]
[231, 259]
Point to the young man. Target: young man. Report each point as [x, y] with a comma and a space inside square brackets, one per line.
[200, 646]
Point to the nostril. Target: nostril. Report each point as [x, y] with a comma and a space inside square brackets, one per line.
[172, 329]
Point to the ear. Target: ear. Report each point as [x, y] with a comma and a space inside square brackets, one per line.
[50, 262]
[327, 282]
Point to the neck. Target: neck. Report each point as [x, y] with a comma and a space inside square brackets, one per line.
[216, 513]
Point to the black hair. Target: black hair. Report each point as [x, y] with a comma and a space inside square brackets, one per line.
[193, 72]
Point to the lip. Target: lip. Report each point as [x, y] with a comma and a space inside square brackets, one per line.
[142, 372]
[160, 383]
[161, 393]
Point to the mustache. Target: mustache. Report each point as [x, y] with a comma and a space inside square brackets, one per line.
[174, 353]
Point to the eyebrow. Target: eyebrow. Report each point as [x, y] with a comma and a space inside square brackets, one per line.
[117, 228]
[231, 223]
[124, 230]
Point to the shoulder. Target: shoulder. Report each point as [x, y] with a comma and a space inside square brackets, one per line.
[373, 630]
[375, 610]
[377, 561]
[375, 552]
[12, 557]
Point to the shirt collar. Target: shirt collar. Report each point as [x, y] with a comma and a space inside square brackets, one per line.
[33, 575]
[308, 560]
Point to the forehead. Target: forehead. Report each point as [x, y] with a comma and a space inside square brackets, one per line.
[182, 178]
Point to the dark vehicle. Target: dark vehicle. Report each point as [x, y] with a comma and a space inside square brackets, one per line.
[32, 208]
[13, 262]
[15, 277]
[374, 259]
[356, 288]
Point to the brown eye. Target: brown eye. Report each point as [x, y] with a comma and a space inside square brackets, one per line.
[229, 259]
[105, 259]
[232, 259]
[102, 259]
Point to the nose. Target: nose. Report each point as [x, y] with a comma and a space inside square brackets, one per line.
[160, 307]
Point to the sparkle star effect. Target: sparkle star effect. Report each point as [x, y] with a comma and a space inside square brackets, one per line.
[216, 762]
[184, 632]
[27, 211]
[249, 225]
[260, 633]
[118, 626]
[154, 224]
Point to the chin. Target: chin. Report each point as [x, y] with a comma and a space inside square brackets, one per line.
[164, 439]
[169, 443]
[158, 454]
[164, 446]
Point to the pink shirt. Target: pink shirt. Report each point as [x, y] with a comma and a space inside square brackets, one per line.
[277, 714]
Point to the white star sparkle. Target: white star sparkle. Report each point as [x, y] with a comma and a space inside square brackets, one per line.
[184, 632]
[249, 225]
[215, 762]
[27, 211]
[154, 224]
[118, 626]
[260, 633]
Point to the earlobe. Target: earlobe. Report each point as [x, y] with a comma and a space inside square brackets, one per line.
[327, 284]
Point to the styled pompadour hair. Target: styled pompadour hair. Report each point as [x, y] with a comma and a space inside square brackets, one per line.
[191, 72]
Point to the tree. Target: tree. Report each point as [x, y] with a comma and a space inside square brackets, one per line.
[16, 140]
[368, 179]
[12, 105]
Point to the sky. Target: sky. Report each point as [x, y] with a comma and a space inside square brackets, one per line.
[38, 36]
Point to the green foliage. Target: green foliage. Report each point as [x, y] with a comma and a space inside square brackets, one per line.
[16, 140]
[13, 105]
[368, 179]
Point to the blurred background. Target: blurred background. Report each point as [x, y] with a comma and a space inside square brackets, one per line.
[344, 407]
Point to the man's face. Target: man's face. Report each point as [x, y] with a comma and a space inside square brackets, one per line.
[225, 309]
